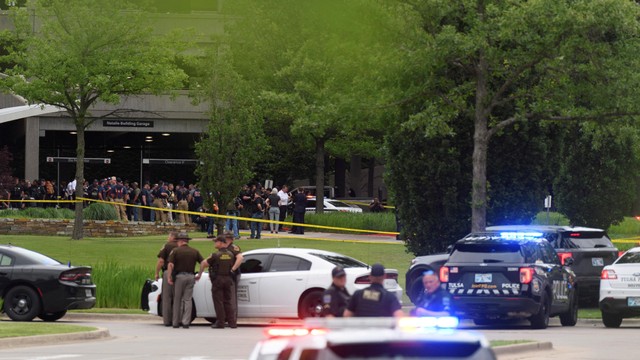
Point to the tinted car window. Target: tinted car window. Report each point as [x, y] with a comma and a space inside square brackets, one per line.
[585, 239]
[629, 258]
[486, 253]
[289, 263]
[550, 255]
[338, 203]
[344, 261]
[5, 260]
[28, 257]
[254, 263]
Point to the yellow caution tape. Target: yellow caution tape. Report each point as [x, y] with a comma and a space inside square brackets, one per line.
[627, 241]
[41, 201]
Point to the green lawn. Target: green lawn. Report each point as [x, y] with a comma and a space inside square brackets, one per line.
[12, 329]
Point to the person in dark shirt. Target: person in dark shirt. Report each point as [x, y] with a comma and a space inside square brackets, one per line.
[434, 300]
[336, 297]
[256, 213]
[167, 289]
[374, 300]
[182, 262]
[299, 209]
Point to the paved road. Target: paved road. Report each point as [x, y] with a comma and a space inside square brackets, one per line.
[149, 339]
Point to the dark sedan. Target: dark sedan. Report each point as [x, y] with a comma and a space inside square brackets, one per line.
[34, 285]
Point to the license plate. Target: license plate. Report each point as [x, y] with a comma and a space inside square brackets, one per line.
[390, 283]
[87, 292]
[633, 301]
[483, 278]
[597, 262]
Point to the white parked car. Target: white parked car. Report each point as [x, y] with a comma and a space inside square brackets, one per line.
[281, 282]
[332, 205]
[620, 289]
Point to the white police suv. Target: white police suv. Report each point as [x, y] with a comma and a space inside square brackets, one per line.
[620, 289]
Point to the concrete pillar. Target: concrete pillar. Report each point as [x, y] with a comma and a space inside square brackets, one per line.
[32, 148]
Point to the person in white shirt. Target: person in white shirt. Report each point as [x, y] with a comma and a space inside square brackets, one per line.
[283, 204]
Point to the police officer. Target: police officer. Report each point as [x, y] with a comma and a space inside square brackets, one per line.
[119, 195]
[182, 261]
[434, 300]
[167, 289]
[235, 269]
[223, 288]
[336, 297]
[374, 300]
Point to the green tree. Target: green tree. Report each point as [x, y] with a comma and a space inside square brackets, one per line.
[234, 141]
[497, 63]
[87, 51]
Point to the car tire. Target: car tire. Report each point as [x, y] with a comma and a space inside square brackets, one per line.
[211, 319]
[611, 320]
[415, 289]
[52, 316]
[541, 319]
[570, 318]
[22, 304]
[310, 305]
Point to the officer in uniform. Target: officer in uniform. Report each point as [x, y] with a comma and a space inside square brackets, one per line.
[434, 300]
[182, 195]
[336, 297]
[167, 289]
[182, 261]
[159, 201]
[119, 195]
[223, 288]
[374, 300]
[237, 253]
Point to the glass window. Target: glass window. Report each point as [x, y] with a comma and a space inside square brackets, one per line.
[585, 239]
[344, 261]
[490, 252]
[5, 260]
[254, 263]
[629, 258]
[551, 256]
[289, 263]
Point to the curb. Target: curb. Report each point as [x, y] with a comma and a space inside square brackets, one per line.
[522, 348]
[100, 333]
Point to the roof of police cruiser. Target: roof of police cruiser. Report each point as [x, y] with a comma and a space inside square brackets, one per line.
[490, 237]
[542, 228]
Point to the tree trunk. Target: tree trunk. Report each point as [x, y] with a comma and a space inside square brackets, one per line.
[319, 176]
[78, 231]
[480, 146]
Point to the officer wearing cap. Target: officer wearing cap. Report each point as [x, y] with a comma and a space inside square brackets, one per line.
[182, 196]
[235, 269]
[434, 300]
[167, 289]
[223, 288]
[374, 300]
[336, 297]
[182, 261]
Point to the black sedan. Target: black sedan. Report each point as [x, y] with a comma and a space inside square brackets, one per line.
[33, 284]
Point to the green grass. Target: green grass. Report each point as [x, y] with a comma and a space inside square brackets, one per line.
[384, 221]
[13, 329]
[497, 343]
[589, 313]
[38, 213]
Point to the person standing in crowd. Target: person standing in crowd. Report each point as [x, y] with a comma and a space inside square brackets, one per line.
[159, 201]
[119, 195]
[182, 195]
[434, 300]
[283, 203]
[222, 285]
[197, 201]
[274, 210]
[374, 300]
[246, 198]
[94, 190]
[167, 289]
[182, 262]
[299, 208]
[171, 202]
[233, 209]
[257, 212]
[17, 193]
[336, 297]
[134, 199]
[376, 206]
[146, 200]
[237, 253]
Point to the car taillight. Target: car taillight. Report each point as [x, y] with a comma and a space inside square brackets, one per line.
[608, 275]
[291, 332]
[563, 256]
[80, 277]
[363, 280]
[526, 275]
[444, 274]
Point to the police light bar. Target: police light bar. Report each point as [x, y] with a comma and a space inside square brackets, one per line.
[511, 235]
[428, 322]
[405, 323]
[292, 332]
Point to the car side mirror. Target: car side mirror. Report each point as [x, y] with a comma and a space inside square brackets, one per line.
[568, 261]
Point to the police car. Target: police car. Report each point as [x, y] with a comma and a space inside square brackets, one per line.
[620, 289]
[494, 277]
[380, 338]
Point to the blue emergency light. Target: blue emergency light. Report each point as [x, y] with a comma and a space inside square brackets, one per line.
[514, 235]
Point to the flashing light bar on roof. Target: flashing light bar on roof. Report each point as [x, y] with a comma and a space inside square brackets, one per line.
[428, 322]
[520, 235]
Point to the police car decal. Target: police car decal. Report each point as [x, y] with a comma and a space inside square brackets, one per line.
[484, 289]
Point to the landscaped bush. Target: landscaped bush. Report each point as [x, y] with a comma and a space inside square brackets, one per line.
[384, 221]
[117, 285]
[100, 211]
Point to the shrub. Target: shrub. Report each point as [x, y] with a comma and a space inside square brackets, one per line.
[100, 211]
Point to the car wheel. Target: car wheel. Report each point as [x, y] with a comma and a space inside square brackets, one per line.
[611, 320]
[22, 304]
[211, 319]
[570, 318]
[541, 319]
[52, 316]
[415, 289]
[310, 305]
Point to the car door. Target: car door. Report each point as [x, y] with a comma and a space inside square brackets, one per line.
[557, 276]
[248, 292]
[282, 286]
[6, 270]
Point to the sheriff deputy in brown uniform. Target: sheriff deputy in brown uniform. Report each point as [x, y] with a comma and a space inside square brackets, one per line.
[223, 288]
[182, 262]
[235, 269]
[167, 289]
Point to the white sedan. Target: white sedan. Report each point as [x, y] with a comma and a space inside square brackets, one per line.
[281, 282]
[331, 205]
[620, 289]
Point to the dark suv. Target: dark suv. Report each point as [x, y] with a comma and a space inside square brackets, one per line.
[591, 250]
[492, 277]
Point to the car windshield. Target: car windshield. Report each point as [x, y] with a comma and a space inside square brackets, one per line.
[585, 239]
[402, 350]
[36, 258]
[344, 261]
[629, 258]
[486, 253]
[338, 203]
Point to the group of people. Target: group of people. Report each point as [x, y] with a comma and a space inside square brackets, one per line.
[16, 194]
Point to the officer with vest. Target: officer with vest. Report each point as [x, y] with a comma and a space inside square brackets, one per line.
[374, 300]
[160, 196]
[222, 285]
[336, 297]
[182, 262]
[119, 195]
[167, 289]
[434, 300]
[182, 196]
